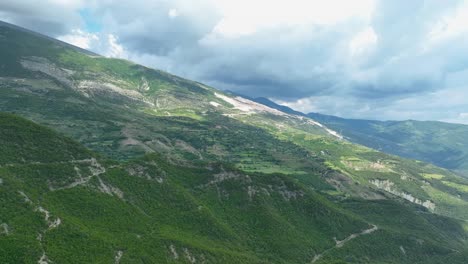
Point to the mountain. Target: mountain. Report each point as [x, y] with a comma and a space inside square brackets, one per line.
[70, 206]
[267, 102]
[282, 108]
[106, 161]
[442, 144]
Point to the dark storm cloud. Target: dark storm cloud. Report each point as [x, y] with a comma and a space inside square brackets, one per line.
[283, 63]
[157, 27]
[376, 67]
[53, 18]
[295, 62]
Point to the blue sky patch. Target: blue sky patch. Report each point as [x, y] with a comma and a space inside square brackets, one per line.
[92, 24]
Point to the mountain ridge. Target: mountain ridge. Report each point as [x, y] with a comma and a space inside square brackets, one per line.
[15, 27]
[372, 133]
[169, 170]
[436, 142]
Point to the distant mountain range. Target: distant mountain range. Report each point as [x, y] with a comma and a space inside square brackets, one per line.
[442, 144]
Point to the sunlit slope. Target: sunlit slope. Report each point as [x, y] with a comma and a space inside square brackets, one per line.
[80, 209]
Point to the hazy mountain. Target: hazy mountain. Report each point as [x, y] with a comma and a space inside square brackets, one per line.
[439, 143]
[126, 164]
[442, 144]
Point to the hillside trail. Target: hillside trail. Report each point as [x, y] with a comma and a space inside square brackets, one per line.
[341, 243]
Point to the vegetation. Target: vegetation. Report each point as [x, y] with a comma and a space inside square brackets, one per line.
[442, 144]
[127, 164]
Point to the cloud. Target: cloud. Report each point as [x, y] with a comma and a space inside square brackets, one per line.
[157, 27]
[80, 38]
[448, 105]
[367, 58]
[363, 42]
[173, 13]
[104, 44]
[52, 17]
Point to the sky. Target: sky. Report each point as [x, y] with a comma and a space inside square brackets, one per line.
[385, 60]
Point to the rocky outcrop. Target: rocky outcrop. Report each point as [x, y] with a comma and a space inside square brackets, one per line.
[4, 229]
[45, 66]
[389, 187]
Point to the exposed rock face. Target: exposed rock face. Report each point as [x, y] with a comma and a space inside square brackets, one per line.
[52, 224]
[174, 253]
[188, 148]
[215, 104]
[389, 186]
[144, 86]
[143, 172]
[247, 106]
[288, 194]
[45, 66]
[224, 176]
[89, 88]
[44, 259]
[186, 254]
[25, 197]
[4, 229]
[189, 256]
[118, 257]
[109, 189]
[315, 123]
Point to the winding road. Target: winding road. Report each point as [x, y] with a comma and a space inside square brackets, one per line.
[341, 243]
